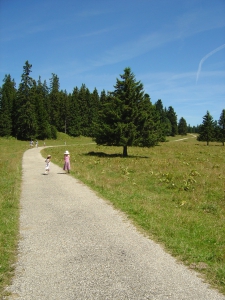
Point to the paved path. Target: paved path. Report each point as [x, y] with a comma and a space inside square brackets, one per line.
[76, 246]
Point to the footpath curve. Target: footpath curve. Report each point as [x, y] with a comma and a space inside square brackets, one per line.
[74, 245]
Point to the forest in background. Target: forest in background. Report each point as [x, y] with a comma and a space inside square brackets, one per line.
[35, 110]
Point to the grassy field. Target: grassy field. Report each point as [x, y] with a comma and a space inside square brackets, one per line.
[10, 183]
[174, 193]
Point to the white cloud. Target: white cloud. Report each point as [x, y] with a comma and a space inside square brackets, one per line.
[205, 57]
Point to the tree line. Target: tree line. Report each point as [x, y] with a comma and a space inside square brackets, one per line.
[124, 117]
[211, 130]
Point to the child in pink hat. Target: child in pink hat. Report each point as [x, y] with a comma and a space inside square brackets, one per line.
[66, 166]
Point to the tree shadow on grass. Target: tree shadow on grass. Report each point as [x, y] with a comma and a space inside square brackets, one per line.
[107, 155]
[210, 145]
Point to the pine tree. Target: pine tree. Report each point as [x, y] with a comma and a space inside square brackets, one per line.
[127, 117]
[26, 123]
[42, 111]
[171, 115]
[163, 120]
[94, 111]
[207, 129]
[84, 109]
[7, 98]
[54, 101]
[221, 123]
[182, 127]
[168, 127]
[74, 120]
[148, 125]
[103, 98]
[64, 111]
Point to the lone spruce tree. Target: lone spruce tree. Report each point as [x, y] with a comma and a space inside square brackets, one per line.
[127, 117]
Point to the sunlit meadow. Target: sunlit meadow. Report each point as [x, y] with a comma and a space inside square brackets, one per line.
[174, 193]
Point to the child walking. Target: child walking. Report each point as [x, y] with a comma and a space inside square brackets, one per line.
[66, 166]
[47, 166]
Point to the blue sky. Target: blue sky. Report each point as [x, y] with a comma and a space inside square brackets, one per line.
[175, 48]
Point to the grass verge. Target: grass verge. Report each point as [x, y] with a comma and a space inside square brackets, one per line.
[10, 183]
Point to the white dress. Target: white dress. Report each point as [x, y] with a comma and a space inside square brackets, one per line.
[47, 164]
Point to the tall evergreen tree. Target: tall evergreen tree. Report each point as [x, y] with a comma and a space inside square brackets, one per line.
[182, 127]
[221, 124]
[94, 111]
[54, 101]
[126, 118]
[160, 109]
[26, 123]
[42, 111]
[171, 115]
[207, 129]
[189, 129]
[74, 120]
[84, 108]
[103, 98]
[164, 122]
[64, 111]
[7, 98]
[149, 128]
[168, 127]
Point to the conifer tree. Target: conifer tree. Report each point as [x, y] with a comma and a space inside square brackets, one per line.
[168, 127]
[94, 111]
[164, 122]
[189, 129]
[74, 120]
[54, 101]
[42, 111]
[103, 98]
[171, 115]
[207, 129]
[127, 117]
[26, 123]
[64, 111]
[221, 124]
[84, 108]
[182, 127]
[7, 98]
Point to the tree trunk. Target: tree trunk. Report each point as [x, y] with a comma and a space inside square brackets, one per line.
[125, 151]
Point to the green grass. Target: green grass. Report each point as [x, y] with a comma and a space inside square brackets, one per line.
[174, 193]
[10, 183]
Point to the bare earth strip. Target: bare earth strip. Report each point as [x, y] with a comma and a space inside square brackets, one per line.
[76, 246]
